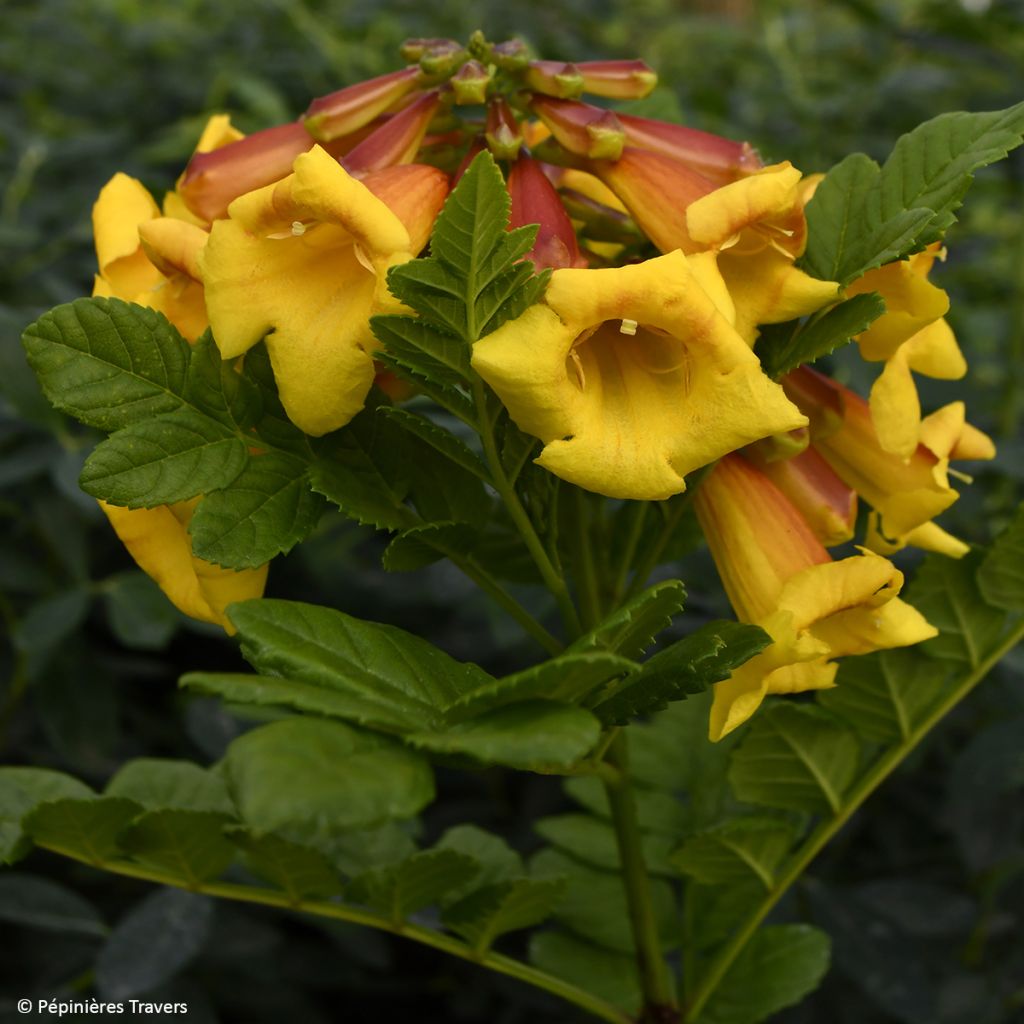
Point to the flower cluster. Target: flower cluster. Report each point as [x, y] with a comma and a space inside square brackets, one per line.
[670, 250]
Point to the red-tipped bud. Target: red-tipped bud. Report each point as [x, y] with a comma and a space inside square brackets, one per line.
[535, 201]
[719, 159]
[470, 83]
[827, 504]
[413, 50]
[581, 128]
[212, 180]
[553, 78]
[617, 79]
[503, 134]
[345, 111]
[656, 191]
[511, 55]
[397, 140]
[442, 59]
[414, 193]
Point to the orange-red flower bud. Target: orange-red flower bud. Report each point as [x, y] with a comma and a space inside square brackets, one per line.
[511, 55]
[503, 134]
[442, 58]
[656, 190]
[618, 79]
[717, 158]
[470, 83]
[553, 78]
[535, 201]
[414, 193]
[345, 111]
[581, 128]
[397, 140]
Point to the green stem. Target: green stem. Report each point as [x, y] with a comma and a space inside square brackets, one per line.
[878, 773]
[552, 579]
[586, 578]
[659, 995]
[487, 583]
[358, 915]
[638, 515]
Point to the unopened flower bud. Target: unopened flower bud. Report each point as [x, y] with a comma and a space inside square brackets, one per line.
[443, 58]
[470, 83]
[535, 201]
[345, 111]
[511, 55]
[503, 134]
[397, 140]
[553, 78]
[581, 128]
[413, 49]
[617, 79]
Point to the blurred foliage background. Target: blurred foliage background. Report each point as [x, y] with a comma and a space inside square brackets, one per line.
[924, 892]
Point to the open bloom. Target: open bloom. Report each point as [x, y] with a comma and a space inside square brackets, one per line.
[778, 575]
[158, 540]
[633, 376]
[910, 336]
[303, 263]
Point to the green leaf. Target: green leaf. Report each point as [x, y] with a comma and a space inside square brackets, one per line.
[139, 614]
[158, 784]
[187, 844]
[443, 441]
[783, 347]
[423, 545]
[314, 778]
[108, 363]
[736, 851]
[164, 460]
[1001, 574]
[884, 695]
[300, 871]
[946, 592]
[568, 678]
[656, 811]
[427, 350]
[612, 976]
[777, 968]
[84, 829]
[34, 902]
[219, 390]
[493, 911]
[495, 859]
[420, 881]
[631, 629]
[531, 735]
[274, 691]
[23, 789]
[593, 841]
[594, 903]
[265, 511]
[402, 673]
[688, 667]
[795, 757]
[933, 165]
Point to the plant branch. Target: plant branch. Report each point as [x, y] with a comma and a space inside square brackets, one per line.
[358, 915]
[825, 831]
[659, 995]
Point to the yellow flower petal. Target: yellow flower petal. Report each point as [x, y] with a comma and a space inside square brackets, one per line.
[895, 407]
[123, 205]
[632, 377]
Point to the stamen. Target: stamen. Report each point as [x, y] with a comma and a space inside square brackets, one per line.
[298, 228]
[628, 327]
[362, 256]
[581, 377]
[962, 477]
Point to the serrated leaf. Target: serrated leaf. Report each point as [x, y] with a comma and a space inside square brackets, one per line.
[946, 592]
[108, 363]
[23, 789]
[313, 778]
[933, 165]
[656, 811]
[778, 967]
[493, 911]
[84, 829]
[423, 545]
[189, 845]
[594, 903]
[159, 784]
[568, 678]
[612, 976]
[783, 347]
[1001, 574]
[795, 757]
[424, 347]
[164, 460]
[687, 667]
[34, 902]
[400, 672]
[631, 629]
[300, 871]
[496, 860]
[884, 695]
[736, 852]
[446, 396]
[420, 881]
[265, 511]
[540, 735]
[593, 841]
[442, 441]
[274, 691]
[152, 943]
[216, 387]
